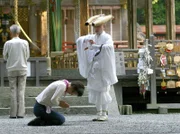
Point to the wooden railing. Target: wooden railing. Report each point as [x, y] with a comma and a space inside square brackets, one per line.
[64, 60]
[71, 46]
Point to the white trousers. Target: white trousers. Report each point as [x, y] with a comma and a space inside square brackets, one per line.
[103, 107]
[100, 98]
[17, 83]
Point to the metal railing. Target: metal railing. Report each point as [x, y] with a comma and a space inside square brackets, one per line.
[38, 68]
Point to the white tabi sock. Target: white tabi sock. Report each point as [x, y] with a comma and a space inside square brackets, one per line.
[99, 109]
[104, 109]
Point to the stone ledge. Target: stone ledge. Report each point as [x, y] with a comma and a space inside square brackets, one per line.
[30, 101]
[88, 109]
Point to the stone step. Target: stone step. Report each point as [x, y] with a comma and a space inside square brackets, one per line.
[30, 92]
[79, 105]
[88, 109]
[30, 101]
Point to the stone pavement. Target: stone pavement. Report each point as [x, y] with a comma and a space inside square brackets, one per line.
[82, 124]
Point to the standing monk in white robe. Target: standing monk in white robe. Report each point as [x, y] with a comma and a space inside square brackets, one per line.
[96, 59]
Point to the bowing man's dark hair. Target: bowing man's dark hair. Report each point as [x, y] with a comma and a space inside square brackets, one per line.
[78, 87]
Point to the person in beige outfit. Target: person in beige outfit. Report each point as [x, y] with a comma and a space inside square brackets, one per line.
[16, 52]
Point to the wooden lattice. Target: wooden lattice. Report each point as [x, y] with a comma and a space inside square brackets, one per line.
[22, 13]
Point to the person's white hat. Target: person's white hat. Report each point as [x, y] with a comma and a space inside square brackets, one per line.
[98, 20]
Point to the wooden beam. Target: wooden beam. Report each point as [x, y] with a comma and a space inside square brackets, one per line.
[170, 20]
[84, 11]
[77, 19]
[132, 23]
[124, 22]
[153, 76]
[149, 18]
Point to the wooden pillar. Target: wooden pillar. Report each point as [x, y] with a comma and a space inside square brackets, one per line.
[77, 19]
[124, 22]
[170, 20]
[149, 18]
[84, 11]
[132, 23]
[153, 76]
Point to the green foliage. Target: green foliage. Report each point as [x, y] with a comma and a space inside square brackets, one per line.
[177, 11]
[159, 13]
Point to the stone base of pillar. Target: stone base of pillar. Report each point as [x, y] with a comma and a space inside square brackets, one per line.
[125, 109]
[162, 110]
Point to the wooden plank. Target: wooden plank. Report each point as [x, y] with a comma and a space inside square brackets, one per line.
[170, 20]
[161, 29]
[132, 23]
[149, 18]
[153, 76]
[84, 10]
[124, 22]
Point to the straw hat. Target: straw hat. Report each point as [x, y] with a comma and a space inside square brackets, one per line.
[98, 20]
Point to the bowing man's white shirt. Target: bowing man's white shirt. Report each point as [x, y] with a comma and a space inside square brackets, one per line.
[52, 94]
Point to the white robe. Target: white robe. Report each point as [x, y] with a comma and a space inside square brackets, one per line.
[99, 70]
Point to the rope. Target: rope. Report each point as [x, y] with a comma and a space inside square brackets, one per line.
[16, 11]
[17, 22]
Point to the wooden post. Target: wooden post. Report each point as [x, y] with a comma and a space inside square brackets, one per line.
[124, 22]
[33, 23]
[132, 23]
[119, 92]
[84, 11]
[149, 18]
[153, 76]
[77, 19]
[170, 20]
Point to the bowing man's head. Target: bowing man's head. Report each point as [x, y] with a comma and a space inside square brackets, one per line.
[76, 88]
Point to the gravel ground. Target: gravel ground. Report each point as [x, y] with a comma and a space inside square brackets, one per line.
[129, 124]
